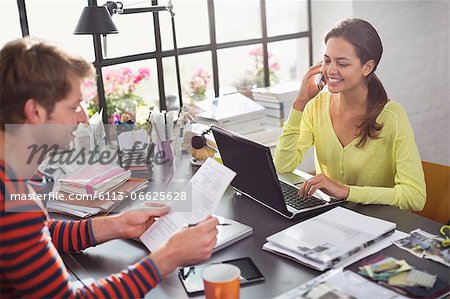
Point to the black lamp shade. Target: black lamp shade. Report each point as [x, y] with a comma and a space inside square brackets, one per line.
[95, 20]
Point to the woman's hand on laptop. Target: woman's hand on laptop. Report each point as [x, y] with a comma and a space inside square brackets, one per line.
[325, 184]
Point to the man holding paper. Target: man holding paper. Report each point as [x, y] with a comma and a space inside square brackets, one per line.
[40, 85]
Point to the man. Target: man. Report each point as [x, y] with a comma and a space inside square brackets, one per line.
[40, 85]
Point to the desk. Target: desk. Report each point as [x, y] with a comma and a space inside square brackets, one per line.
[281, 274]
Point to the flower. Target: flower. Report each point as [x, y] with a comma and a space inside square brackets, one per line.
[254, 77]
[198, 83]
[119, 85]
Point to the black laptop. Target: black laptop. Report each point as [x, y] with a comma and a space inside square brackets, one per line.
[256, 176]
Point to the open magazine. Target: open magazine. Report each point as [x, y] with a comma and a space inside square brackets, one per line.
[423, 244]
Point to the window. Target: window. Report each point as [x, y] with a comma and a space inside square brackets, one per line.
[55, 21]
[292, 58]
[9, 22]
[224, 38]
[284, 17]
[237, 20]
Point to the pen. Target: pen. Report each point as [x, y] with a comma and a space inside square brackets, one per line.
[194, 224]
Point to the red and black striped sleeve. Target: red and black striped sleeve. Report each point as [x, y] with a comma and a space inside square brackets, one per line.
[32, 267]
[71, 236]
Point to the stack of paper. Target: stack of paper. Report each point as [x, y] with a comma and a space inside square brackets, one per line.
[333, 239]
[89, 207]
[94, 179]
[63, 207]
[277, 100]
[234, 112]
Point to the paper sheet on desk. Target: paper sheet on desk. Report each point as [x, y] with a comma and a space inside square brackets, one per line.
[208, 186]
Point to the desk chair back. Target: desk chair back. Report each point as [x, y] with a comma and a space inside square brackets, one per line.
[437, 179]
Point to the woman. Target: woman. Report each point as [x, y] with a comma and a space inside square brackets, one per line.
[364, 144]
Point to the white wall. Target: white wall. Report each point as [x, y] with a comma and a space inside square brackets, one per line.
[325, 14]
[415, 67]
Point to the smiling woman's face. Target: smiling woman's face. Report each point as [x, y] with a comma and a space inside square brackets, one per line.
[341, 66]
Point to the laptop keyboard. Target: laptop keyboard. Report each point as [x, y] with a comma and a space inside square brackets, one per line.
[291, 197]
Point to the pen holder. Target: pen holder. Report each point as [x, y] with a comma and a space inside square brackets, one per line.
[164, 146]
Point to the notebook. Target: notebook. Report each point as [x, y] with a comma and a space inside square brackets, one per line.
[230, 233]
[256, 177]
[330, 239]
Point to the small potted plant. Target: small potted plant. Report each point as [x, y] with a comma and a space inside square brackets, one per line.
[198, 84]
[119, 85]
[254, 76]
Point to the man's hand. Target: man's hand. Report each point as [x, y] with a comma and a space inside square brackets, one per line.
[130, 224]
[189, 246]
[325, 184]
[135, 221]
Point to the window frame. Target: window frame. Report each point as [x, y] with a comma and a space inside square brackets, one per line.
[159, 54]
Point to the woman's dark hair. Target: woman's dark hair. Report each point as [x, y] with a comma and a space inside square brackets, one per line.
[367, 44]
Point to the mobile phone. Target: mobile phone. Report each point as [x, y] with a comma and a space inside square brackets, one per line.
[318, 81]
[191, 277]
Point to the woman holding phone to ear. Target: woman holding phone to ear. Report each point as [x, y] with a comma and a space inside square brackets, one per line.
[364, 144]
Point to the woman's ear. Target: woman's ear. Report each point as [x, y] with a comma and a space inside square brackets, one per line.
[368, 67]
[34, 112]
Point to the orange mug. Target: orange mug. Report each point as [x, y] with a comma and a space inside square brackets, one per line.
[221, 281]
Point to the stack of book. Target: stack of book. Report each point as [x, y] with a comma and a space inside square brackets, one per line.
[102, 205]
[94, 179]
[334, 239]
[277, 100]
[93, 189]
[234, 112]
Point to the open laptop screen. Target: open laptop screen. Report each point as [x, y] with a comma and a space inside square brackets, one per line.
[255, 172]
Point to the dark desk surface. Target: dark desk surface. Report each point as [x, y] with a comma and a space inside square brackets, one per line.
[281, 274]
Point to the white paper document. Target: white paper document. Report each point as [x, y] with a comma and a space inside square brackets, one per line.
[320, 266]
[208, 186]
[331, 238]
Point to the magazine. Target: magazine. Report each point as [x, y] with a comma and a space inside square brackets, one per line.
[425, 245]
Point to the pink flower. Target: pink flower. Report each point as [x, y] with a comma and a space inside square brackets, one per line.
[275, 66]
[144, 72]
[117, 82]
[256, 51]
[126, 71]
[199, 81]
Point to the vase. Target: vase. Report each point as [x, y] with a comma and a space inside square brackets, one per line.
[124, 105]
